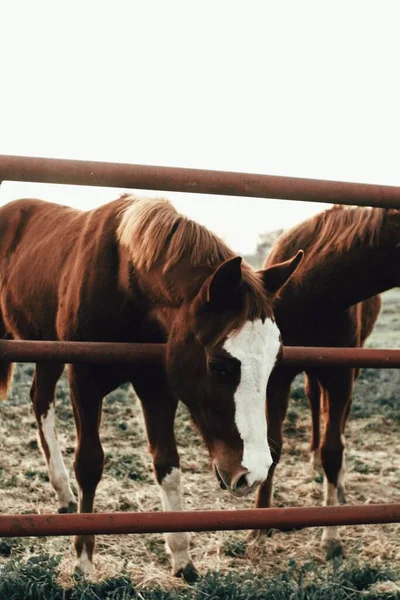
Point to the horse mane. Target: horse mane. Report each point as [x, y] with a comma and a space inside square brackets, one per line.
[153, 230]
[335, 230]
[156, 234]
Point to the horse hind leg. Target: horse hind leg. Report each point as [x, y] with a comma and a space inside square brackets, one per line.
[343, 414]
[313, 393]
[343, 469]
[337, 389]
[42, 395]
[6, 368]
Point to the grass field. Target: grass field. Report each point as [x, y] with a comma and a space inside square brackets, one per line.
[284, 566]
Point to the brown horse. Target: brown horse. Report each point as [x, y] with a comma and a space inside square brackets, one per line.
[135, 270]
[351, 255]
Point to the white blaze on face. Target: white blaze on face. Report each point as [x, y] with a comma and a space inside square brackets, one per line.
[256, 345]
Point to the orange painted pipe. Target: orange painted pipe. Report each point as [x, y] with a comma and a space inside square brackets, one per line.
[87, 352]
[123, 175]
[306, 356]
[153, 522]
[106, 352]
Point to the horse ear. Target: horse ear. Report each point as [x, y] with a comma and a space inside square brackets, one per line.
[276, 276]
[225, 281]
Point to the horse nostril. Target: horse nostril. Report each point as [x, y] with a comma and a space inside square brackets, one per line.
[240, 483]
[221, 482]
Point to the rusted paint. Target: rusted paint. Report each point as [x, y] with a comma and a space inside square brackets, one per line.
[79, 172]
[106, 352]
[152, 522]
[15, 168]
[374, 358]
[78, 352]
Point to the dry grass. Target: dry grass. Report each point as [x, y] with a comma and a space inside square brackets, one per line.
[127, 485]
[373, 459]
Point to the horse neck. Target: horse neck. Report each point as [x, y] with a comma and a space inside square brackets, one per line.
[341, 279]
[162, 293]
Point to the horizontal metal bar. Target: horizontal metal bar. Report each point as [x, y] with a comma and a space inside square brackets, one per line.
[152, 522]
[375, 358]
[80, 352]
[94, 173]
[106, 352]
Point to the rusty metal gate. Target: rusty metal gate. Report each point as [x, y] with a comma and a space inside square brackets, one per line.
[44, 170]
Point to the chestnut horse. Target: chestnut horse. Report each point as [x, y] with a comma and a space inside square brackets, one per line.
[350, 256]
[135, 270]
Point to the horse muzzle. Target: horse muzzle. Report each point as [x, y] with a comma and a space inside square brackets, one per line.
[236, 483]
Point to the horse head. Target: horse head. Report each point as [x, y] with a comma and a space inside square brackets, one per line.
[221, 350]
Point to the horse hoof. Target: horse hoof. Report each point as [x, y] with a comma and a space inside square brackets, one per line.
[315, 460]
[341, 495]
[83, 570]
[333, 549]
[83, 567]
[188, 573]
[71, 508]
[257, 535]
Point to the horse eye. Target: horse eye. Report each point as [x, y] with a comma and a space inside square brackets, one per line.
[219, 369]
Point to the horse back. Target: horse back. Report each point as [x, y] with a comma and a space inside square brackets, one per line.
[59, 271]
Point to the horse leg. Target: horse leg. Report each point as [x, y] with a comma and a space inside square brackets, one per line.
[342, 472]
[42, 395]
[87, 394]
[337, 388]
[159, 409]
[278, 392]
[313, 392]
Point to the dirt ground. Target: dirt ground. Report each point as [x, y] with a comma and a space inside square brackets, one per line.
[373, 458]
[373, 461]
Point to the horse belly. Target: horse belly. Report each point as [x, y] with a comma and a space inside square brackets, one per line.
[28, 306]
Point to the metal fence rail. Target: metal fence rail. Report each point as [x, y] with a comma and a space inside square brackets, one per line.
[206, 520]
[45, 170]
[80, 172]
[106, 352]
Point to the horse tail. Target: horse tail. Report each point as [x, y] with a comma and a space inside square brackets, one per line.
[6, 368]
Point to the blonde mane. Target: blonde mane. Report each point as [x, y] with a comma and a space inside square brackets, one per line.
[334, 230]
[152, 229]
[156, 234]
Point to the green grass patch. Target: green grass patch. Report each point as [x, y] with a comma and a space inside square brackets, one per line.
[234, 547]
[377, 393]
[130, 467]
[36, 579]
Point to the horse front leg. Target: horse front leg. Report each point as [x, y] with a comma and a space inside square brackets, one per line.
[159, 409]
[42, 395]
[276, 406]
[87, 396]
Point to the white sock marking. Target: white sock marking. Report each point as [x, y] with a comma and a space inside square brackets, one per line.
[177, 544]
[331, 499]
[84, 564]
[256, 345]
[57, 471]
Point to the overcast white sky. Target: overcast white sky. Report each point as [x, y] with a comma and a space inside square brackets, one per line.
[308, 89]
